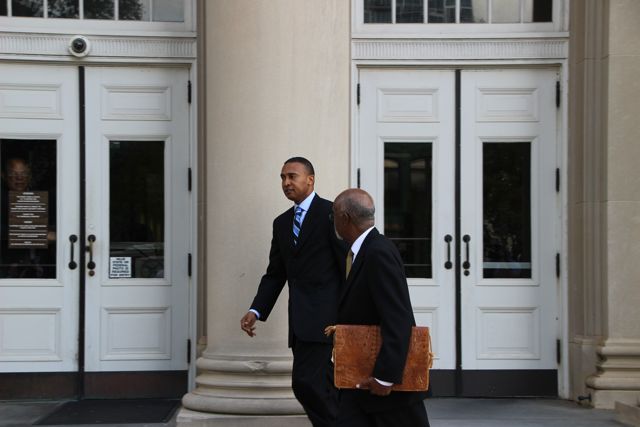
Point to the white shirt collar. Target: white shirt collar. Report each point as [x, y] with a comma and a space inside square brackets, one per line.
[355, 247]
[306, 202]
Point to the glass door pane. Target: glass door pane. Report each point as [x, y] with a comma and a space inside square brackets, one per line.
[136, 225]
[408, 204]
[28, 209]
[507, 210]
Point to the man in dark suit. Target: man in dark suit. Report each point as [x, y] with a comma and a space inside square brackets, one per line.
[305, 253]
[375, 293]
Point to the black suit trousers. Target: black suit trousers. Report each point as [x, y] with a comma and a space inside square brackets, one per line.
[312, 382]
[351, 413]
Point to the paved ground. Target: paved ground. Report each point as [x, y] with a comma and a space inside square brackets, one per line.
[442, 413]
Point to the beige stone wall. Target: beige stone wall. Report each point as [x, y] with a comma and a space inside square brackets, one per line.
[604, 200]
[277, 76]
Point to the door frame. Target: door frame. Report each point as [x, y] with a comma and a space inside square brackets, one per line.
[561, 228]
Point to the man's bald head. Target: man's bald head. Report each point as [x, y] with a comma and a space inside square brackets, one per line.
[358, 204]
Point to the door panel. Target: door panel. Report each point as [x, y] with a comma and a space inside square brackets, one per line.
[506, 211]
[38, 213]
[508, 159]
[406, 161]
[137, 209]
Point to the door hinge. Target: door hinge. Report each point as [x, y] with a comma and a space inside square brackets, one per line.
[189, 179]
[189, 351]
[557, 180]
[358, 94]
[358, 178]
[558, 94]
[189, 92]
[558, 265]
[189, 265]
[558, 351]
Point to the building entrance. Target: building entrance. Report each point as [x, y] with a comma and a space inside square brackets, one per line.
[95, 237]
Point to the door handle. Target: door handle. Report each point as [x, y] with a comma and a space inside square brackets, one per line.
[73, 264]
[466, 265]
[91, 265]
[448, 264]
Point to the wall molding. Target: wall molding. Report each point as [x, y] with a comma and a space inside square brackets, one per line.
[103, 47]
[460, 49]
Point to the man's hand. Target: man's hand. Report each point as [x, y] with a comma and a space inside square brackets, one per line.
[247, 323]
[374, 387]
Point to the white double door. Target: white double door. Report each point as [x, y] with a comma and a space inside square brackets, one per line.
[462, 166]
[101, 283]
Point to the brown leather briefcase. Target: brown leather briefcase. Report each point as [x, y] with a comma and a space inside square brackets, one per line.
[356, 347]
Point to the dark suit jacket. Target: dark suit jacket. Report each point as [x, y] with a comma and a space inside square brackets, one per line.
[376, 293]
[313, 268]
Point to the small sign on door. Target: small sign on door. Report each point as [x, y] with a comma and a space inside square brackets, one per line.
[28, 219]
[119, 267]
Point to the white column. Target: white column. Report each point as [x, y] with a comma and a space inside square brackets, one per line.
[277, 86]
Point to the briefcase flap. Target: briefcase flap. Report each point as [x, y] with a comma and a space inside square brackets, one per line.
[356, 347]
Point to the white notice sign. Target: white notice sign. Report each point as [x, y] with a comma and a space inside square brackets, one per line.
[119, 267]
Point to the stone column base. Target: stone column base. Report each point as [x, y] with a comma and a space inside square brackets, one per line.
[618, 376]
[242, 386]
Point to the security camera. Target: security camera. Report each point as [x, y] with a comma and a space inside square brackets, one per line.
[79, 46]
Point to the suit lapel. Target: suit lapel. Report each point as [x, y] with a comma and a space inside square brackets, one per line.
[286, 229]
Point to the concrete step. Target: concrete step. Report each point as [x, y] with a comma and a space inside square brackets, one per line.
[187, 418]
[628, 414]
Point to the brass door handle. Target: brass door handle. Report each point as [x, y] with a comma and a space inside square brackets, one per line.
[91, 265]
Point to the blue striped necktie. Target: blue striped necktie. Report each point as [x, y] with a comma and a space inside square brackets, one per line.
[297, 224]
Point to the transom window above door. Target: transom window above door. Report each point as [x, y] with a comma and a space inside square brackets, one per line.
[126, 10]
[441, 16]
[92, 17]
[452, 11]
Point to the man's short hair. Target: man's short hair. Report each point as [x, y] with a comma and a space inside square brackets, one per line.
[359, 213]
[306, 163]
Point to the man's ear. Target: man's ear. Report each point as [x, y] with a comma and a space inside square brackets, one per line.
[312, 178]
